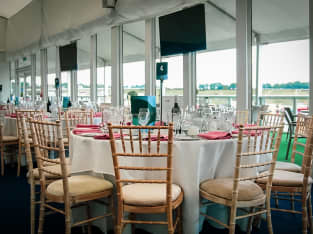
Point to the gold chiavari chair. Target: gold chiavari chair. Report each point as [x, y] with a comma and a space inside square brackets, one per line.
[33, 173]
[74, 117]
[270, 119]
[242, 117]
[285, 183]
[76, 190]
[301, 132]
[241, 192]
[21, 145]
[4, 142]
[144, 196]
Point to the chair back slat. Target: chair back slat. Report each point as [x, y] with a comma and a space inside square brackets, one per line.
[47, 138]
[263, 145]
[242, 117]
[301, 132]
[270, 119]
[128, 155]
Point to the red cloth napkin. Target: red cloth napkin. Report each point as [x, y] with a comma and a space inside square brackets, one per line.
[12, 115]
[106, 136]
[251, 132]
[97, 114]
[92, 126]
[215, 135]
[78, 131]
[155, 138]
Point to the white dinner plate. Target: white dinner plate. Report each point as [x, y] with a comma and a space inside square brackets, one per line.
[90, 134]
[186, 138]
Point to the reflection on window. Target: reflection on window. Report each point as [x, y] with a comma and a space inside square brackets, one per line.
[38, 87]
[51, 85]
[51, 54]
[83, 83]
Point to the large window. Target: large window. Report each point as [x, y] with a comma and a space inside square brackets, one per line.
[283, 75]
[83, 73]
[133, 60]
[12, 79]
[51, 51]
[65, 84]
[104, 66]
[216, 67]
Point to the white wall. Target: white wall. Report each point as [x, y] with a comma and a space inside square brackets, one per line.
[5, 81]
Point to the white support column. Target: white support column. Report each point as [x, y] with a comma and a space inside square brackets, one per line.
[17, 80]
[44, 74]
[189, 76]
[74, 86]
[33, 76]
[244, 54]
[117, 91]
[150, 52]
[311, 55]
[93, 68]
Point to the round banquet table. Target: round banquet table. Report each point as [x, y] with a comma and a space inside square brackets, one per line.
[193, 162]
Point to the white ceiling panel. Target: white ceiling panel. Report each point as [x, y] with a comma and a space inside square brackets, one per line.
[9, 8]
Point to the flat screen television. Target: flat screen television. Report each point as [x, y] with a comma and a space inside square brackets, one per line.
[68, 57]
[183, 31]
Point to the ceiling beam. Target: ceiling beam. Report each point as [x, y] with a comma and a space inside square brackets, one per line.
[224, 12]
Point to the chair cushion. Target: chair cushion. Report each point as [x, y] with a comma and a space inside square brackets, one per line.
[223, 188]
[55, 168]
[9, 138]
[285, 178]
[287, 166]
[80, 185]
[148, 194]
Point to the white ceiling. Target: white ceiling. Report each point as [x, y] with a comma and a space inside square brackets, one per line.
[9, 8]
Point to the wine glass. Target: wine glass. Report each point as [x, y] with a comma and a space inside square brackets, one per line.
[143, 116]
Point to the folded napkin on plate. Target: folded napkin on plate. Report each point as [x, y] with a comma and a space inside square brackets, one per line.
[251, 133]
[215, 135]
[78, 131]
[92, 126]
[106, 136]
[155, 138]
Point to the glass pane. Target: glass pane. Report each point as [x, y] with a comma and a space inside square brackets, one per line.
[216, 66]
[83, 73]
[103, 66]
[28, 87]
[66, 84]
[51, 71]
[133, 60]
[283, 75]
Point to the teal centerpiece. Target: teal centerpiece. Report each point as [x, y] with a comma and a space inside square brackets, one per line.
[138, 102]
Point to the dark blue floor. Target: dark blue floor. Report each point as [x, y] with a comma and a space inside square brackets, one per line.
[14, 212]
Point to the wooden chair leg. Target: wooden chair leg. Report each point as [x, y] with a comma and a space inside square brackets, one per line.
[249, 226]
[2, 160]
[41, 214]
[310, 214]
[268, 215]
[19, 159]
[89, 217]
[276, 199]
[112, 209]
[132, 216]
[32, 207]
[68, 216]
[120, 215]
[292, 199]
[304, 215]
[180, 216]
[232, 220]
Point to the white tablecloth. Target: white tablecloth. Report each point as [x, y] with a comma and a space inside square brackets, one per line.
[193, 162]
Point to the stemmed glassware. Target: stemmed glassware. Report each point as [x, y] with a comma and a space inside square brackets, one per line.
[143, 116]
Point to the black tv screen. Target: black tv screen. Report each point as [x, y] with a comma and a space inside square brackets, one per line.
[68, 57]
[183, 31]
